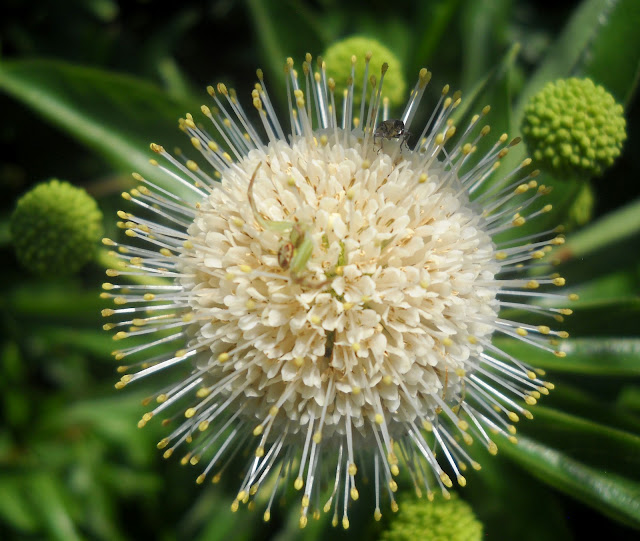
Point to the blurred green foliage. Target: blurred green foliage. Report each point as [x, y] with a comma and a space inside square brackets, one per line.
[87, 85]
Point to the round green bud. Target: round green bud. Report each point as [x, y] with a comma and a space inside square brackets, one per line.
[574, 128]
[439, 520]
[338, 60]
[55, 228]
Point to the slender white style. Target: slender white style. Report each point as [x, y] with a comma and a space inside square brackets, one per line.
[333, 297]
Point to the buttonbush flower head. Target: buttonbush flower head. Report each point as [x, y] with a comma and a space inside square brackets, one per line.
[442, 519]
[333, 286]
[55, 228]
[574, 128]
[365, 56]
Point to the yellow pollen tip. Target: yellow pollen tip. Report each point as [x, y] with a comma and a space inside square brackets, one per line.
[518, 221]
[354, 494]
[259, 451]
[353, 469]
[298, 483]
[317, 437]
[446, 480]
[561, 354]
[356, 346]
[379, 419]
[223, 357]
[462, 481]
[530, 400]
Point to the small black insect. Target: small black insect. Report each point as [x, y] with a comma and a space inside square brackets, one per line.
[391, 129]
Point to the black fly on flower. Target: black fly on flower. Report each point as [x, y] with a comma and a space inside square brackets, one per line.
[391, 129]
[334, 303]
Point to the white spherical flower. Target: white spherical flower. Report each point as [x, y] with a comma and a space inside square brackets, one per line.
[335, 292]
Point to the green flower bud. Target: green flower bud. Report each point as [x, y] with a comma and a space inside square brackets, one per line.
[55, 228]
[574, 128]
[338, 59]
[582, 208]
[439, 520]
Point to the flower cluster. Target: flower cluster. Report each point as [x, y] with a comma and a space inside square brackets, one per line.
[55, 228]
[574, 128]
[334, 292]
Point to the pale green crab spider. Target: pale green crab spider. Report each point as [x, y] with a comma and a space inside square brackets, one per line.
[294, 253]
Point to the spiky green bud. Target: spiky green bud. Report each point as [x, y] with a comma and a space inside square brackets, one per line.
[439, 520]
[338, 60]
[55, 228]
[574, 128]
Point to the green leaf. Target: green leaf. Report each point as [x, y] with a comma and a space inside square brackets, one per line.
[495, 495]
[433, 19]
[59, 300]
[612, 58]
[604, 246]
[490, 88]
[566, 53]
[615, 285]
[273, 22]
[566, 57]
[606, 492]
[611, 317]
[570, 399]
[629, 399]
[47, 496]
[116, 115]
[597, 445]
[483, 30]
[606, 356]
[15, 510]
